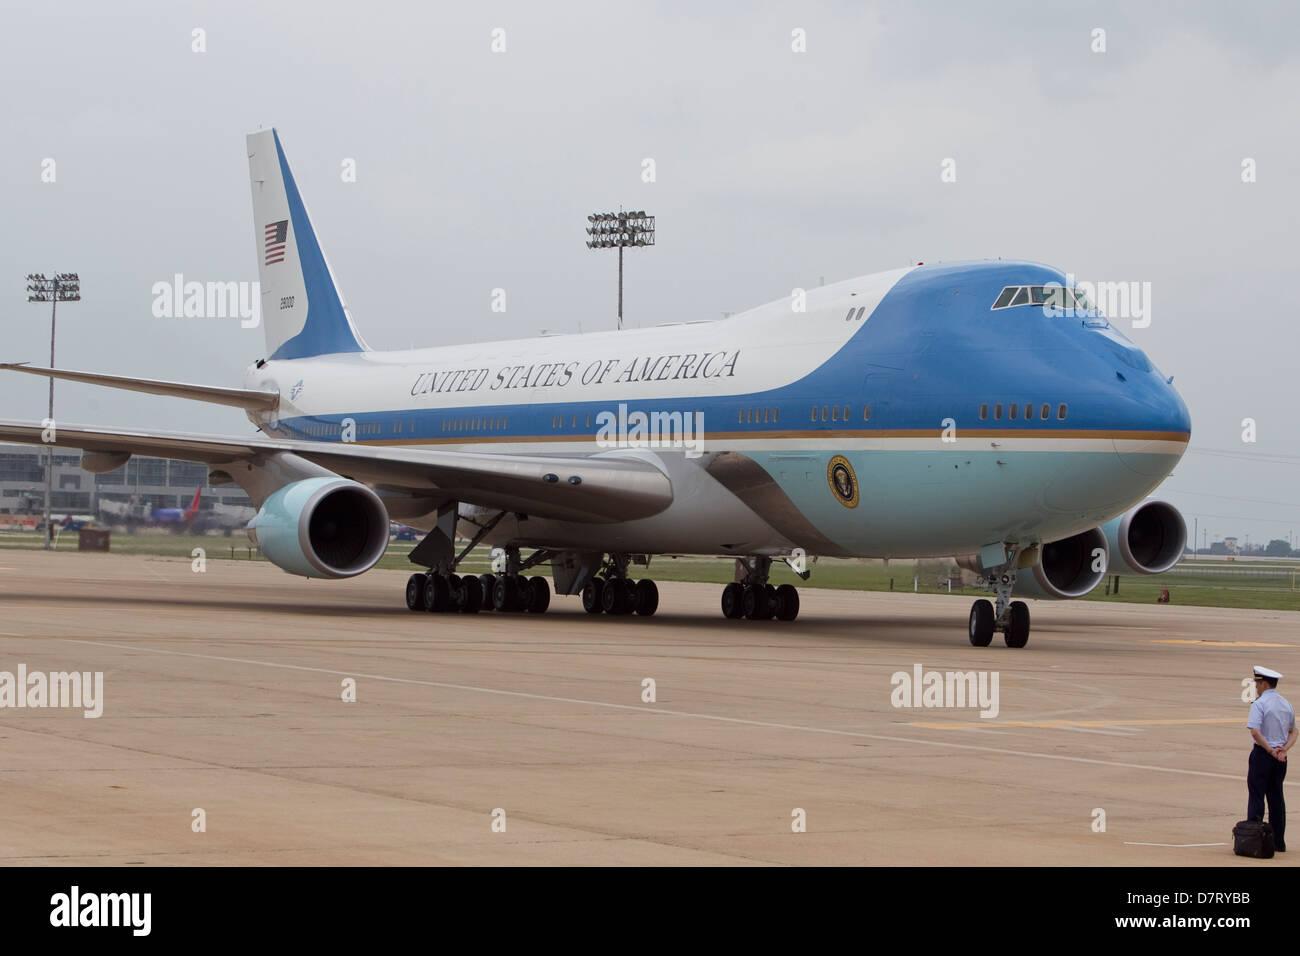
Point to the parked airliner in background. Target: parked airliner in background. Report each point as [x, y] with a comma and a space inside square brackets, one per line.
[930, 411]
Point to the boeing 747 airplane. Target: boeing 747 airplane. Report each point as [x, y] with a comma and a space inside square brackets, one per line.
[982, 410]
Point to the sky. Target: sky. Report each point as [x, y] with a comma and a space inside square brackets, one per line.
[475, 169]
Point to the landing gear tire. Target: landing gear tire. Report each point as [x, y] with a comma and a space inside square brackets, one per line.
[981, 623]
[591, 595]
[1017, 632]
[647, 597]
[539, 595]
[471, 601]
[787, 602]
[436, 594]
[455, 594]
[614, 598]
[753, 603]
[731, 601]
[415, 592]
[487, 582]
[504, 594]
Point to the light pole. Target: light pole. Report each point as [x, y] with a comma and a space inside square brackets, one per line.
[64, 287]
[618, 230]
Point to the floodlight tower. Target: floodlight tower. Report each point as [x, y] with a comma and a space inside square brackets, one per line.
[618, 230]
[64, 287]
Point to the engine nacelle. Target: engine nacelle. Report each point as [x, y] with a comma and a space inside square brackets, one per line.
[1147, 539]
[322, 528]
[1068, 568]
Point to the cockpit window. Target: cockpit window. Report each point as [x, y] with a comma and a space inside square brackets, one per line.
[1049, 296]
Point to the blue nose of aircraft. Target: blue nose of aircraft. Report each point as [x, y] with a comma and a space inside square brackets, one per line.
[1158, 426]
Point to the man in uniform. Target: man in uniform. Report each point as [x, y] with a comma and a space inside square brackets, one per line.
[1272, 727]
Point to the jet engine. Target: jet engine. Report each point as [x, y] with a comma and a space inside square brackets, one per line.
[1068, 568]
[328, 527]
[1146, 539]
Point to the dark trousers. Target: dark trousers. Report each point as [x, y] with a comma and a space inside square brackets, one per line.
[1264, 779]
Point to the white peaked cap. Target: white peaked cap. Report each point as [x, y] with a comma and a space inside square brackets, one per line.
[1266, 672]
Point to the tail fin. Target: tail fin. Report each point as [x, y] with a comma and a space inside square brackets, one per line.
[193, 509]
[303, 312]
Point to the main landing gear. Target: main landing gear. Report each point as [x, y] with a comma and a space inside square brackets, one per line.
[751, 596]
[507, 592]
[1010, 617]
[616, 593]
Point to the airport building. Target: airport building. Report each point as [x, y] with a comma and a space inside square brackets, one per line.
[155, 482]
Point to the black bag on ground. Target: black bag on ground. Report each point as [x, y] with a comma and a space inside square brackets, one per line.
[1253, 838]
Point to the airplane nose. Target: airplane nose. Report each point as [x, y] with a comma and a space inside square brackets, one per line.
[1162, 427]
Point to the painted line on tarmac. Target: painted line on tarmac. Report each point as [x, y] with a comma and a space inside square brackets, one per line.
[1209, 643]
[1128, 843]
[1074, 724]
[650, 709]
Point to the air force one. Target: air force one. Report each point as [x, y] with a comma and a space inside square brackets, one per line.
[938, 410]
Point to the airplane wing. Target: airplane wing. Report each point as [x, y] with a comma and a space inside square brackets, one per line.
[594, 489]
[247, 398]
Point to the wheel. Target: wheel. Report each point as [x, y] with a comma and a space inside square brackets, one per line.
[487, 582]
[647, 597]
[591, 596]
[456, 597]
[503, 593]
[753, 602]
[415, 592]
[471, 601]
[787, 602]
[613, 599]
[539, 595]
[771, 600]
[731, 602]
[436, 595]
[1017, 632]
[981, 623]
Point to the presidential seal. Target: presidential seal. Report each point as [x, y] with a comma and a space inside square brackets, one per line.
[843, 482]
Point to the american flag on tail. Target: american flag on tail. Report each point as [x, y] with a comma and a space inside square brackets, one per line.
[276, 235]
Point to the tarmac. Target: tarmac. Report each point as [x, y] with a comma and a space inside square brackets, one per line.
[511, 739]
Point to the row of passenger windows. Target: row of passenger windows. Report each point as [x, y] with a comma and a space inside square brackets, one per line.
[335, 430]
[1013, 411]
[750, 416]
[475, 424]
[832, 413]
[557, 421]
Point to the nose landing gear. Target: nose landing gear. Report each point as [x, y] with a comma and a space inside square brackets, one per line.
[1010, 617]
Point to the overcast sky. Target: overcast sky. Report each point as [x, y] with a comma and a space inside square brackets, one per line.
[475, 170]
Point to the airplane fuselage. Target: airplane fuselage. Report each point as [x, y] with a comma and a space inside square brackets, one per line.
[894, 415]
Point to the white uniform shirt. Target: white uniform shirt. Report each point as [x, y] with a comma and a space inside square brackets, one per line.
[1272, 716]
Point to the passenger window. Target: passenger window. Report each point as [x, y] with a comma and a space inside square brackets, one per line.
[984, 411]
[835, 413]
[1012, 411]
[1045, 411]
[740, 417]
[997, 412]
[1029, 411]
[776, 414]
[866, 413]
[813, 417]
[826, 413]
[846, 413]
[1060, 412]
